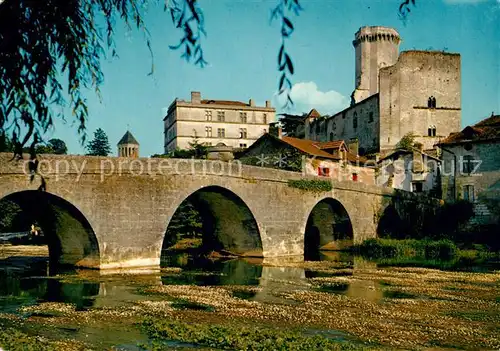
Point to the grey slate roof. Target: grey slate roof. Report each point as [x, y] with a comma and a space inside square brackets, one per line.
[128, 138]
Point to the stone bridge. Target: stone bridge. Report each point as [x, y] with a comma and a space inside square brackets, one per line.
[109, 212]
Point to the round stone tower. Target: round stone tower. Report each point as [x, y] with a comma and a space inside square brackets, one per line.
[376, 47]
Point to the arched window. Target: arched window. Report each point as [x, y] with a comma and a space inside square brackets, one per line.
[355, 120]
[433, 102]
[331, 136]
[431, 131]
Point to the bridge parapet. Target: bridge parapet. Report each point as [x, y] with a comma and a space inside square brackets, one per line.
[51, 165]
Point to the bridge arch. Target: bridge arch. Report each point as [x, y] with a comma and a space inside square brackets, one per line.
[70, 237]
[228, 224]
[328, 227]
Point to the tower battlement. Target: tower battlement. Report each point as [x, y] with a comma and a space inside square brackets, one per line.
[376, 33]
[376, 47]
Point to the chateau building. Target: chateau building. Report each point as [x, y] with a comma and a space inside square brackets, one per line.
[395, 94]
[215, 122]
[128, 146]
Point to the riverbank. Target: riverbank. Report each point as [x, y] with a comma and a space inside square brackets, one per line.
[345, 303]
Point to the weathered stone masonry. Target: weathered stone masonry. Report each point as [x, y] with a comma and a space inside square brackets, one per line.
[129, 203]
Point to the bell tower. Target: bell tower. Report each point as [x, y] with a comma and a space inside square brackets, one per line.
[375, 48]
[128, 146]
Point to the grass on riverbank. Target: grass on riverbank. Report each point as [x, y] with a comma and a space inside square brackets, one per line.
[443, 254]
[388, 248]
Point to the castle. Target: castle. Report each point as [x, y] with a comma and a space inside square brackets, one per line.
[395, 94]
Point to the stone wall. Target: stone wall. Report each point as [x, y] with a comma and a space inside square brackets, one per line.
[341, 171]
[485, 179]
[341, 126]
[404, 92]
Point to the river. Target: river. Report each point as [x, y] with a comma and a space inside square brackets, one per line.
[346, 299]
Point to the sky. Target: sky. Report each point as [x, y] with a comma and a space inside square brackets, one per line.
[242, 46]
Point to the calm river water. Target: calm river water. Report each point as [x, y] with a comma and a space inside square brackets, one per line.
[26, 280]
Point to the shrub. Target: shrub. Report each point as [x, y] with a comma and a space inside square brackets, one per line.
[313, 185]
[389, 248]
[443, 249]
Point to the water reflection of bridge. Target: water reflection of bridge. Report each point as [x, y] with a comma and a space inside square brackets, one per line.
[92, 289]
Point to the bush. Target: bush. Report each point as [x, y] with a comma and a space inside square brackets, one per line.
[389, 248]
[443, 249]
[311, 185]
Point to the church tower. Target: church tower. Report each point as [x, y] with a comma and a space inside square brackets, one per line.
[128, 146]
[376, 47]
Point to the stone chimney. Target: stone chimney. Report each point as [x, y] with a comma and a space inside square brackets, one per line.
[268, 104]
[195, 97]
[418, 161]
[353, 146]
[251, 102]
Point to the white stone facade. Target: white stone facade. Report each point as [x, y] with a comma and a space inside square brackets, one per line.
[213, 122]
[410, 171]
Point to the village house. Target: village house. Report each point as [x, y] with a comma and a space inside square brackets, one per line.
[411, 170]
[471, 167]
[330, 159]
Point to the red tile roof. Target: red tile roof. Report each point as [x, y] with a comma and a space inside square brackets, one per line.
[313, 148]
[487, 129]
[309, 147]
[397, 152]
[335, 144]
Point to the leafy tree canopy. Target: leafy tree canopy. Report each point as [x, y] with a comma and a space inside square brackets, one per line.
[8, 212]
[58, 146]
[407, 142]
[54, 46]
[99, 146]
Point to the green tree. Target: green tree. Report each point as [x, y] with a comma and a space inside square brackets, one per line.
[198, 150]
[58, 146]
[407, 142]
[186, 223]
[45, 42]
[99, 146]
[8, 212]
[5, 143]
[42, 149]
